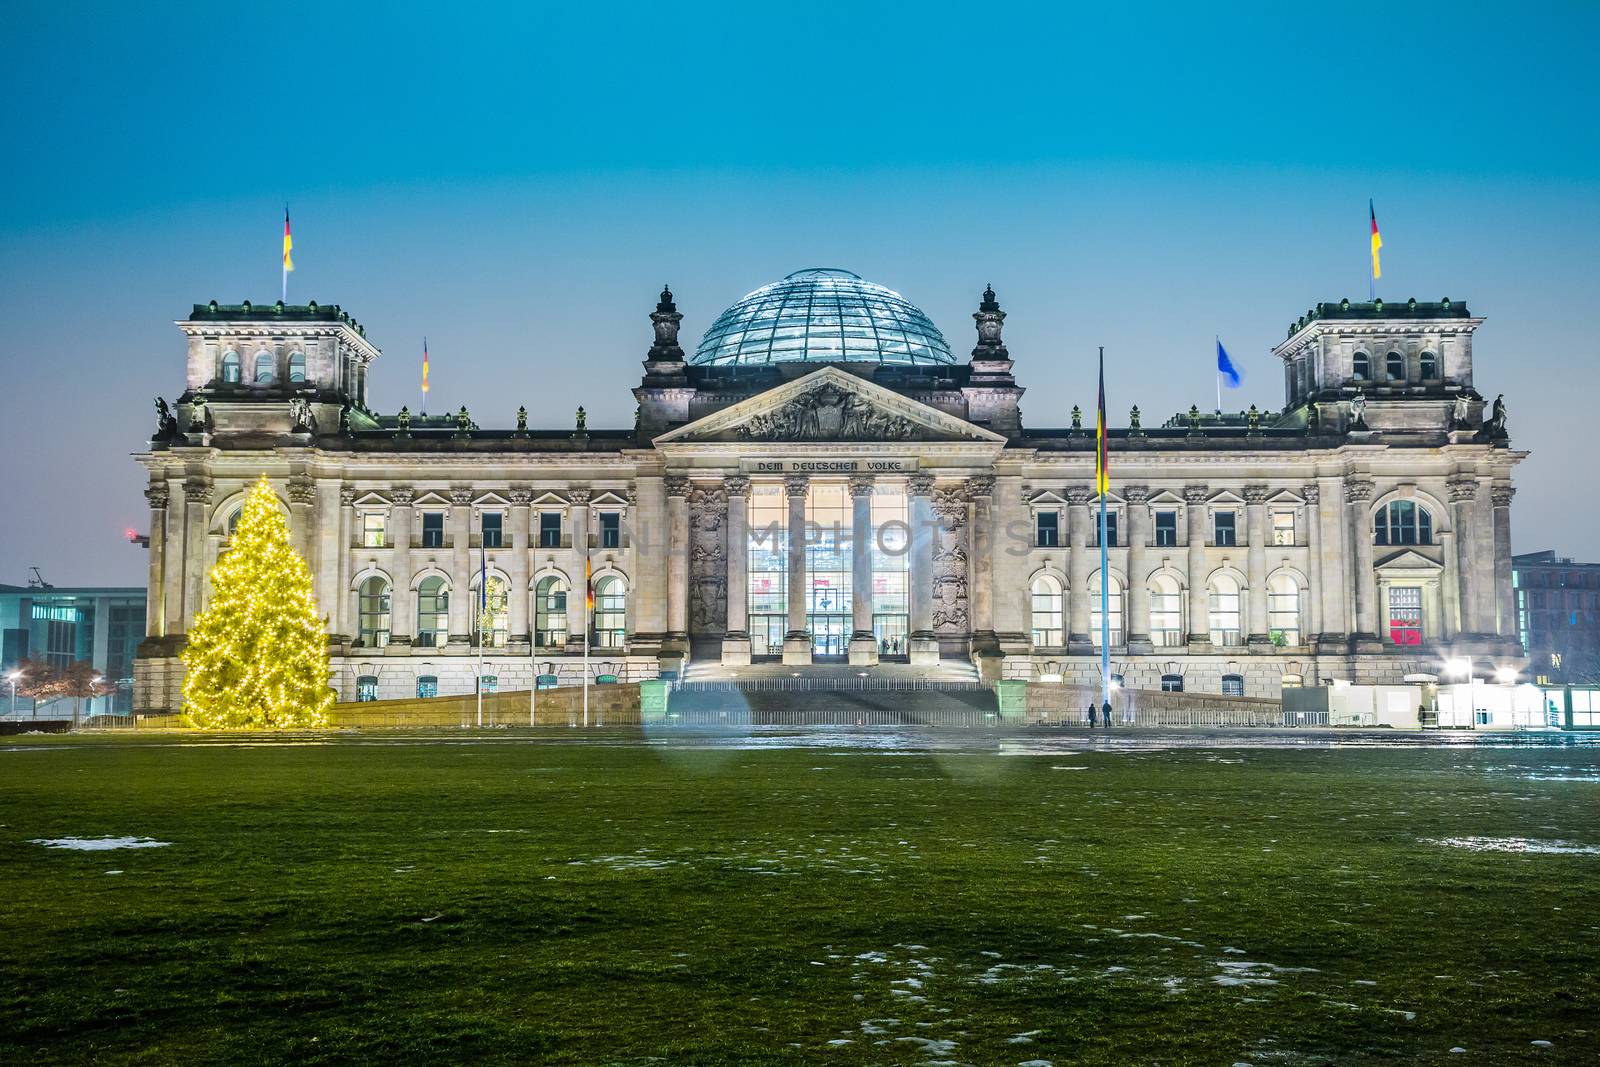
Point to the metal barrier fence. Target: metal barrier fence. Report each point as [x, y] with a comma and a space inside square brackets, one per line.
[804, 684]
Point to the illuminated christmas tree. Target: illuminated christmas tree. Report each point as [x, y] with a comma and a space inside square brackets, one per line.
[257, 656]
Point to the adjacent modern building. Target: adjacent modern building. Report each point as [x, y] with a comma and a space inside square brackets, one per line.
[63, 626]
[823, 477]
[1558, 617]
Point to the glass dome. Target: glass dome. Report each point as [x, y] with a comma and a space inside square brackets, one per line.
[822, 315]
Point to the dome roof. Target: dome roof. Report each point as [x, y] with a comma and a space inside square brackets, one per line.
[822, 315]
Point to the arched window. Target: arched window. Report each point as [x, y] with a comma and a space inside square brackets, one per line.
[233, 521]
[1394, 365]
[1172, 683]
[550, 613]
[1283, 610]
[493, 624]
[1166, 611]
[264, 368]
[433, 612]
[374, 612]
[1048, 608]
[230, 367]
[427, 687]
[366, 689]
[1114, 608]
[1361, 367]
[297, 366]
[1233, 685]
[1402, 522]
[1428, 367]
[610, 612]
[1224, 605]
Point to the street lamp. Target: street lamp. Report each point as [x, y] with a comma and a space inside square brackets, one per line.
[12, 678]
[1462, 665]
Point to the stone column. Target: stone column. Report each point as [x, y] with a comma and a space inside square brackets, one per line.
[1333, 595]
[1014, 539]
[196, 506]
[302, 516]
[1358, 496]
[155, 619]
[1199, 592]
[342, 606]
[1505, 596]
[1483, 567]
[1138, 592]
[462, 602]
[922, 646]
[1311, 595]
[1463, 495]
[520, 595]
[980, 569]
[736, 642]
[1080, 562]
[578, 522]
[677, 488]
[173, 571]
[1256, 636]
[863, 643]
[797, 641]
[402, 606]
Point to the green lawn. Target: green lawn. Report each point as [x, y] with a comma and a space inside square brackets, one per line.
[483, 897]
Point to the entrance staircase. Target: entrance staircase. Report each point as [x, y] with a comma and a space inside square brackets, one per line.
[831, 694]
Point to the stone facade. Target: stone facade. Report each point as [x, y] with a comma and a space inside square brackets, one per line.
[1360, 533]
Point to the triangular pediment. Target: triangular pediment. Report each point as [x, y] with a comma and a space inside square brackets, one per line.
[1408, 560]
[829, 405]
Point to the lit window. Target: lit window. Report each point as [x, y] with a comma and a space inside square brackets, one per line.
[427, 687]
[366, 689]
[230, 367]
[1428, 367]
[1233, 685]
[233, 521]
[610, 612]
[1226, 533]
[1114, 609]
[1166, 612]
[1283, 610]
[1172, 683]
[374, 612]
[372, 529]
[1047, 529]
[1394, 366]
[610, 529]
[1048, 608]
[433, 612]
[493, 523]
[433, 529]
[1283, 527]
[549, 529]
[297, 366]
[1405, 614]
[1361, 367]
[1166, 529]
[1224, 605]
[550, 613]
[264, 368]
[1402, 522]
[488, 683]
[493, 627]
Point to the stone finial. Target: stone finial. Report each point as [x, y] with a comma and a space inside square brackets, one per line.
[582, 417]
[1077, 417]
[1194, 418]
[463, 422]
[522, 418]
[666, 319]
[1133, 417]
[990, 320]
[403, 422]
[1253, 419]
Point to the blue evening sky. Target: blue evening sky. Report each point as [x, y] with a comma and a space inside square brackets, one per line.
[516, 181]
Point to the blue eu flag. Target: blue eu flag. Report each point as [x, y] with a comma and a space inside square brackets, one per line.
[1226, 371]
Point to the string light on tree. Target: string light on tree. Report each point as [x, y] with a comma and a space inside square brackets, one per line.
[257, 656]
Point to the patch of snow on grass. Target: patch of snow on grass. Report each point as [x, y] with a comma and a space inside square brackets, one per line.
[1516, 844]
[98, 844]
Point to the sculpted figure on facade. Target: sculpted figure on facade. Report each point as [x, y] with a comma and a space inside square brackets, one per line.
[828, 413]
[708, 559]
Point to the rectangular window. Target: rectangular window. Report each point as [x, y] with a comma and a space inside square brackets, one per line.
[493, 529]
[1166, 529]
[1226, 536]
[433, 529]
[372, 529]
[549, 529]
[1166, 618]
[1283, 528]
[1224, 604]
[1047, 529]
[610, 529]
[1405, 614]
[1111, 529]
[768, 547]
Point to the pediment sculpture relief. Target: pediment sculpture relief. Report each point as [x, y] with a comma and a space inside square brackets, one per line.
[828, 413]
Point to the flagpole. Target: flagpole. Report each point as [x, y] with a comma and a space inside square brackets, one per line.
[1217, 340]
[483, 609]
[1105, 574]
[588, 609]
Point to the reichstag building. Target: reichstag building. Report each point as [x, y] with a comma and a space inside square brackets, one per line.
[825, 479]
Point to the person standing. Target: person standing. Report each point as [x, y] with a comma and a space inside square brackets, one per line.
[1091, 715]
[1105, 713]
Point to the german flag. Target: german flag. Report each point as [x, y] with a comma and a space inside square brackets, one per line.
[424, 369]
[1102, 469]
[588, 585]
[1377, 240]
[288, 243]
